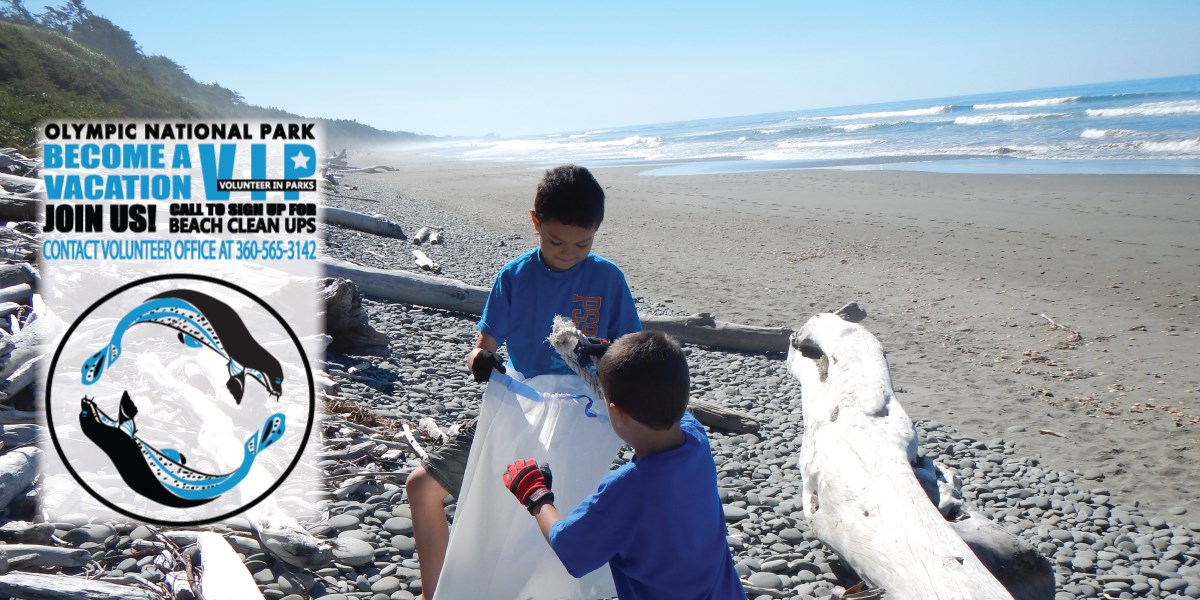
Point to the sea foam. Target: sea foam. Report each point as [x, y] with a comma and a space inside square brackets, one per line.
[1007, 118]
[1027, 103]
[1149, 109]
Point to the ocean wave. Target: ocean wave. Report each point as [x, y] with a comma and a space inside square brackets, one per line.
[1149, 109]
[576, 136]
[1096, 134]
[1007, 118]
[857, 126]
[768, 131]
[914, 112]
[1028, 103]
[826, 144]
[629, 147]
[1191, 146]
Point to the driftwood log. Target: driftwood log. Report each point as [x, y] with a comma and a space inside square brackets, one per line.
[1024, 572]
[34, 586]
[52, 557]
[715, 416]
[23, 532]
[347, 322]
[225, 576]
[425, 263]
[19, 434]
[702, 329]
[860, 494]
[18, 469]
[411, 288]
[373, 224]
[450, 294]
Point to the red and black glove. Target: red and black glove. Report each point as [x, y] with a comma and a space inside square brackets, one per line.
[529, 482]
[590, 349]
[485, 361]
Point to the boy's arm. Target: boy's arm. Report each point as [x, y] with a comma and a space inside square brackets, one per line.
[485, 349]
[546, 516]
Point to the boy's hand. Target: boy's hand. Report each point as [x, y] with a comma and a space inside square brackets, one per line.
[485, 361]
[590, 348]
[529, 483]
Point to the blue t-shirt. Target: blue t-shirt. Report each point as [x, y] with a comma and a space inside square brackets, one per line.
[658, 524]
[527, 295]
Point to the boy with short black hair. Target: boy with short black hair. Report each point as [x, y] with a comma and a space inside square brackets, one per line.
[559, 277]
[657, 521]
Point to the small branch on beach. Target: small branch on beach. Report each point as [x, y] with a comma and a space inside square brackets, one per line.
[425, 263]
[431, 430]
[1075, 335]
[412, 442]
[1052, 432]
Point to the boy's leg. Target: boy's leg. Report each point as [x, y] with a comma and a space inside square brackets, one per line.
[440, 475]
[430, 530]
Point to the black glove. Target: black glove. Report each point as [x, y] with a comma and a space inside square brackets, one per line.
[485, 361]
[589, 349]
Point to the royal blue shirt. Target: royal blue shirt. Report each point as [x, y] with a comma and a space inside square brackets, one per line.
[527, 295]
[658, 523]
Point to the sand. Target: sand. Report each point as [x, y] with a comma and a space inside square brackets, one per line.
[1061, 313]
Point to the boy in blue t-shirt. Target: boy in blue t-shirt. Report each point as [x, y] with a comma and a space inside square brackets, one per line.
[559, 277]
[657, 521]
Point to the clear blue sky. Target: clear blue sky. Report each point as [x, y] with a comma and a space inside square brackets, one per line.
[511, 68]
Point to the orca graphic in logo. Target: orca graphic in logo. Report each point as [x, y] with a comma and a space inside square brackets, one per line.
[163, 428]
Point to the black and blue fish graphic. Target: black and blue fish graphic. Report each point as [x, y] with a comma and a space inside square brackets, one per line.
[161, 475]
[200, 320]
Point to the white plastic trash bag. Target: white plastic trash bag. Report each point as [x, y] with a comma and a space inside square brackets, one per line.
[496, 549]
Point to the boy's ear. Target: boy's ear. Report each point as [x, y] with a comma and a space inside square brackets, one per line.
[616, 413]
[537, 225]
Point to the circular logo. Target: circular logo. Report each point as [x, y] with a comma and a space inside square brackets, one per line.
[180, 400]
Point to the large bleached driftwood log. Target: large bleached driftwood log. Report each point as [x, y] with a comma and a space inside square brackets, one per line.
[411, 288]
[34, 586]
[451, 294]
[18, 469]
[376, 225]
[860, 495]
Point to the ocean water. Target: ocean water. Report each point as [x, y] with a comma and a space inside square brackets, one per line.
[1149, 126]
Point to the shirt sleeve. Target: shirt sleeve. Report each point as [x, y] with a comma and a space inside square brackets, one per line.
[494, 320]
[625, 317]
[591, 535]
